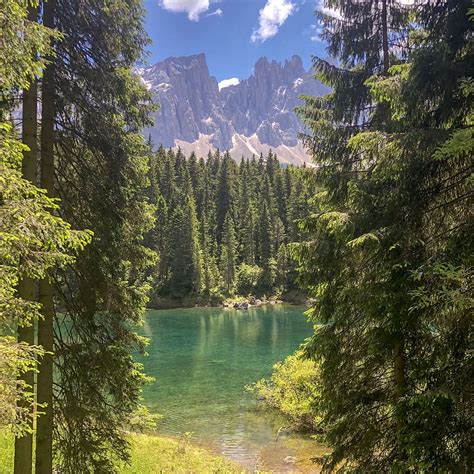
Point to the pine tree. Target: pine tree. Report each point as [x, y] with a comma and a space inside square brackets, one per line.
[186, 257]
[256, 210]
[247, 217]
[101, 161]
[228, 255]
[210, 271]
[283, 262]
[44, 426]
[225, 197]
[34, 240]
[379, 339]
[27, 286]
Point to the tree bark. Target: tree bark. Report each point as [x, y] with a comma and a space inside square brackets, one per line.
[385, 50]
[26, 289]
[44, 430]
[399, 379]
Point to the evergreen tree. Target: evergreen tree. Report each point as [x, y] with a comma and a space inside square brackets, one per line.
[225, 197]
[228, 255]
[210, 271]
[34, 240]
[26, 286]
[247, 217]
[257, 214]
[382, 248]
[101, 162]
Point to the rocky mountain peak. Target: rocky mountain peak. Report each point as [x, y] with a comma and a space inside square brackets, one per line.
[257, 112]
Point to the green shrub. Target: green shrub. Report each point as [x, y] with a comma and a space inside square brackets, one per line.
[293, 390]
[248, 277]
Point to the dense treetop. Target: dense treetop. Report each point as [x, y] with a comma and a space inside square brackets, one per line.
[390, 261]
[223, 227]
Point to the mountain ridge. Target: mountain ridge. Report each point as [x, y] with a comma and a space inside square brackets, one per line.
[246, 118]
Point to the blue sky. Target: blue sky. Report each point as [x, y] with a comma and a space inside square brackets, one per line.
[233, 33]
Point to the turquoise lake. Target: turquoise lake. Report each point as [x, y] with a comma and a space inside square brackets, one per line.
[202, 360]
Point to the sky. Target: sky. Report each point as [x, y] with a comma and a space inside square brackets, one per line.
[233, 34]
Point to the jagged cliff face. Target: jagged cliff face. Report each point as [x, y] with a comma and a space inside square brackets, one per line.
[248, 118]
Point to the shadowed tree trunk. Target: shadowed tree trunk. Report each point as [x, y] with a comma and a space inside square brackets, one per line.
[386, 58]
[26, 288]
[44, 432]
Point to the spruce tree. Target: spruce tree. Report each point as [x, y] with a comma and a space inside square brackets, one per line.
[101, 161]
[258, 207]
[228, 255]
[379, 238]
[27, 286]
[246, 216]
[34, 240]
[186, 257]
[225, 197]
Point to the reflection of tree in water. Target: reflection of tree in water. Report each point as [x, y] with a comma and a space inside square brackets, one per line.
[203, 358]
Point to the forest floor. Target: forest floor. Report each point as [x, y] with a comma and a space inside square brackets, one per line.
[150, 455]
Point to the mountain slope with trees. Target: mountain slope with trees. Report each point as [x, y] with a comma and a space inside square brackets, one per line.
[223, 228]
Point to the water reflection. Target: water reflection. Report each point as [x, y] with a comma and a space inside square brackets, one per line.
[203, 358]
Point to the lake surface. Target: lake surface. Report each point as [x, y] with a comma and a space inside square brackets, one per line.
[202, 360]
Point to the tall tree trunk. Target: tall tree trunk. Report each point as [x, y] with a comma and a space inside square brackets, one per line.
[399, 369]
[44, 430]
[399, 376]
[399, 380]
[26, 288]
[385, 50]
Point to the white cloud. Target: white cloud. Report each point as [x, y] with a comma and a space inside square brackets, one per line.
[233, 81]
[315, 31]
[217, 12]
[192, 7]
[334, 12]
[271, 17]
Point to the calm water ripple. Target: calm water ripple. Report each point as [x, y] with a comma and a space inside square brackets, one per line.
[202, 359]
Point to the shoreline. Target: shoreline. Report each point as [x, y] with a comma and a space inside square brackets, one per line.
[294, 297]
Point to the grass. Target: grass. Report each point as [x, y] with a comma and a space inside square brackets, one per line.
[150, 455]
[155, 454]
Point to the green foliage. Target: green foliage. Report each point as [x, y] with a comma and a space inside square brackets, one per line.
[28, 44]
[149, 455]
[102, 166]
[218, 222]
[268, 277]
[141, 420]
[248, 277]
[16, 397]
[390, 257]
[293, 390]
[33, 239]
[228, 255]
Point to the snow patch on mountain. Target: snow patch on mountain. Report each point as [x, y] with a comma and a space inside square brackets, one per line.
[247, 116]
[233, 81]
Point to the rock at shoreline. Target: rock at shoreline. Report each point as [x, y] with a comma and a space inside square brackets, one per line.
[246, 304]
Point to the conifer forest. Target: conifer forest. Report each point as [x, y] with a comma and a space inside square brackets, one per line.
[167, 310]
[224, 228]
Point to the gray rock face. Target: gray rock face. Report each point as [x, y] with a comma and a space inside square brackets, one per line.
[191, 104]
